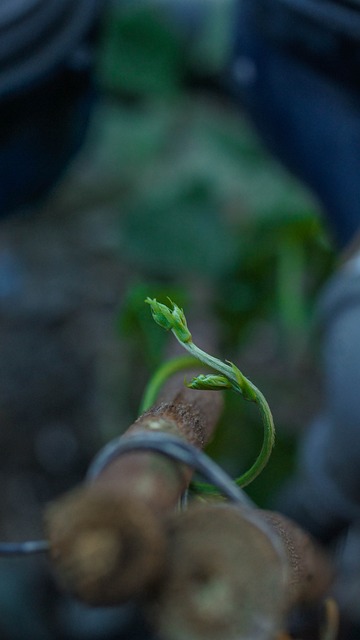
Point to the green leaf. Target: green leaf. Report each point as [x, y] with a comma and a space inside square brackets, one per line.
[140, 55]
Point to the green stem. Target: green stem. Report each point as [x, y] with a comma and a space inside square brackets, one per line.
[230, 377]
[161, 375]
[267, 445]
[256, 396]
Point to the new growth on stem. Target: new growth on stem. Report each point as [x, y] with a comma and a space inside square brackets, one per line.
[227, 376]
[170, 319]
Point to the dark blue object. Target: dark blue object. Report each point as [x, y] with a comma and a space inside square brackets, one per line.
[306, 107]
[46, 93]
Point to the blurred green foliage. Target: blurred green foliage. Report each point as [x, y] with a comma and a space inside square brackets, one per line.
[201, 201]
[139, 55]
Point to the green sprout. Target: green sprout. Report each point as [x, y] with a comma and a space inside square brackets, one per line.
[228, 376]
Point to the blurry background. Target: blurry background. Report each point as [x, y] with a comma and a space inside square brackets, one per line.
[171, 195]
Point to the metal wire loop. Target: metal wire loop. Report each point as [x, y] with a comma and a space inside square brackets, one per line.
[170, 446]
[176, 449]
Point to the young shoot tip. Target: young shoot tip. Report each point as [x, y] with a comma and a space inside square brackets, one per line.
[170, 319]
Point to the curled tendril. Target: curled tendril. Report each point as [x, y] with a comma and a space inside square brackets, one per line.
[228, 376]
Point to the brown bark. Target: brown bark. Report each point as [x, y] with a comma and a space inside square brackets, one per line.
[234, 573]
[108, 539]
[310, 572]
